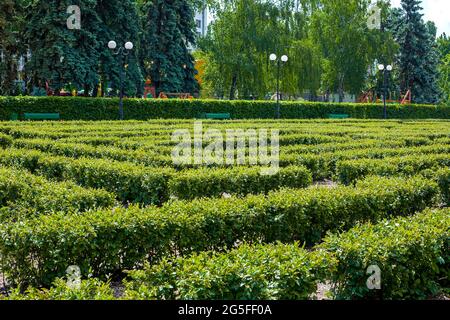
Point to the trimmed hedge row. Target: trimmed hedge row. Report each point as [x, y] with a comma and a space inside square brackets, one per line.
[110, 240]
[5, 140]
[191, 184]
[78, 108]
[321, 165]
[412, 254]
[24, 195]
[90, 289]
[146, 185]
[324, 165]
[348, 171]
[128, 181]
[260, 272]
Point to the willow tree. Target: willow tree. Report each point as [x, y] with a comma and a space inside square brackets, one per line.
[340, 29]
[243, 36]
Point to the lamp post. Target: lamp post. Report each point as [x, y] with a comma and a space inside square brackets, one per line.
[123, 52]
[284, 59]
[385, 70]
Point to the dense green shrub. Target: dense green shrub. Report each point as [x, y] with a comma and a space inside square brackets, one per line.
[23, 194]
[78, 108]
[248, 273]
[128, 181]
[5, 140]
[348, 171]
[91, 289]
[190, 184]
[148, 185]
[412, 254]
[324, 165]
[443, 177]
[110, 240]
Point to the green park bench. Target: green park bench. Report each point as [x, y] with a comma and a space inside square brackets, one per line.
[338, 116]
[41, 116]
[220, 116]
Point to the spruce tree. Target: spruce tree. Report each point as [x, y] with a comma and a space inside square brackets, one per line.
[417, 61]
[12, 46]
[168, 33]
[61, 56]
[120, 22]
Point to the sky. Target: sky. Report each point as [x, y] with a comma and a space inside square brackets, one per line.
[435, 10]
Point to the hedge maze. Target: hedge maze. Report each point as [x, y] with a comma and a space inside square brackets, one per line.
[107, 197]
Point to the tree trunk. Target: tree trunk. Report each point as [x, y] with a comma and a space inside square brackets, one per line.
[233, 86]
[341, 88]
[95, 91]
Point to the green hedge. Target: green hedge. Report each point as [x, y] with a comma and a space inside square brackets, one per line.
[109, 240]
[349, 171]
[325, 165]
[148, 185]
[5, 140]
[24, 194]
[261, 272]
[129, 182]
[90, 289]
[78, 108]
[196, 183]
[412, 254]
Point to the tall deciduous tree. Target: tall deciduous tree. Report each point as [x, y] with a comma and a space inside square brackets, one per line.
[341, 30]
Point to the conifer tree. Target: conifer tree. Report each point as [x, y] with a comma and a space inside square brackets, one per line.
[61, 56]
[12, 46]
[120, 22]
[168, 35]
[417, 60]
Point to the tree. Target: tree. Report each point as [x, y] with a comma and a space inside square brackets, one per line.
[418, 58]
[245, 33]
[168, 33]
[61, 56]
[120, 22]
[444, 68]
[349, 47]
[12, 46]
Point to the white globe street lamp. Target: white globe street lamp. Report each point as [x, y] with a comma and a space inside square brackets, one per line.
[129, 45]
[284, 59]
[385, 70]
[112, 45]
[123, 52]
